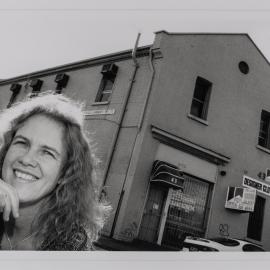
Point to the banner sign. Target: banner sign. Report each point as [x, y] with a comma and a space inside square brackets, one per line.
[256, 184]
[99, 112]
[242, 199]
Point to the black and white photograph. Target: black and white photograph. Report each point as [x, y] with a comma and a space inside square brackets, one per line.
[135, 126]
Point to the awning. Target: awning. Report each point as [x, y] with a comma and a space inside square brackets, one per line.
[166, 174]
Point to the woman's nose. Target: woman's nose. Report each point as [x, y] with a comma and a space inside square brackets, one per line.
[28, 159]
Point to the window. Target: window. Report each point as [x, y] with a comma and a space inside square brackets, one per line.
[264, 134]
[109, 72]
[255, 222]
[200, 101]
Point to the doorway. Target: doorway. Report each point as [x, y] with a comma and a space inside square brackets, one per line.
[167, 219]
[153, 213]
[188, 212]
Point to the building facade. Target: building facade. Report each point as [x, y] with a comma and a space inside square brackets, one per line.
[182, 130]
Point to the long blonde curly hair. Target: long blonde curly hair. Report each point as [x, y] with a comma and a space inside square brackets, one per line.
[74, 203]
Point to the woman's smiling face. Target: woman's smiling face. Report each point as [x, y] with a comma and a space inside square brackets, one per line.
[34, 159]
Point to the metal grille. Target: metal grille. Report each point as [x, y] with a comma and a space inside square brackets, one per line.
[188, 212]
[152, 214]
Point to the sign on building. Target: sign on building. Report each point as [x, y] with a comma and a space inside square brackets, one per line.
[99, 112]
[185, 202]
[167, 174]
[256, 184]
[242, 199]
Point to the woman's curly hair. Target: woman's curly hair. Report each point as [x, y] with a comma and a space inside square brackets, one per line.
[74, 203]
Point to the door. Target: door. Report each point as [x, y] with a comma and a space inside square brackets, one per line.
[255, 222]
[188, 212]
[152, 213]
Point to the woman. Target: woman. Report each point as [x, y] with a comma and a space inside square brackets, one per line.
[48, 193]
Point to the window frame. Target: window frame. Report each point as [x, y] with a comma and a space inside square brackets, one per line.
[107, 75]
[206, 86]
[265, 116]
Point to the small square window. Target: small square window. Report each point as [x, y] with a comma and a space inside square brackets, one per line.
[264, 133]
[109, 72]
[201, 96]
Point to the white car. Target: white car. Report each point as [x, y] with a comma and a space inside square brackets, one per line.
[218, 244]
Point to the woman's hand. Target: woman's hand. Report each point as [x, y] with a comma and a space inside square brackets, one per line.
[9, 200]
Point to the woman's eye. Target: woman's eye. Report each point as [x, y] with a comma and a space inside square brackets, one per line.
[45, 152]
[19, 142]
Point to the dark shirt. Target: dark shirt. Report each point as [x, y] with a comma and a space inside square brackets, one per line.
[76, 241]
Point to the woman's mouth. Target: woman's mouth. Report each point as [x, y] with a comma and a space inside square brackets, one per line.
[25, 176]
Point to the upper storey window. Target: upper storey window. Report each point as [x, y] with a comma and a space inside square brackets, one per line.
[200, 100]
[109, 72]
[264, 133]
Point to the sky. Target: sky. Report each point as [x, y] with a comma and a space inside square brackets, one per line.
[40, 34]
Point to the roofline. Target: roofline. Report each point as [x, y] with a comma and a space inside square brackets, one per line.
[118, 56]
[199, 33]
[213, 33]
[112, 57]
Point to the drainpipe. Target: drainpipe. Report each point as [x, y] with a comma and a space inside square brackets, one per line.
[122, 114]
[134, 51]
[136, 66]
[148, 89]
[134, 144]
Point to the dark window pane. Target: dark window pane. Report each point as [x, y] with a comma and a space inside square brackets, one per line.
[200, 92]
[105, 97]
[196, 108]
[108, 84]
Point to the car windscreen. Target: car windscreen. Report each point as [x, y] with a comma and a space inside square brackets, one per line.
[226, 241]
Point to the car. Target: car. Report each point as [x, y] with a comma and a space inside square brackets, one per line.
[192, 243]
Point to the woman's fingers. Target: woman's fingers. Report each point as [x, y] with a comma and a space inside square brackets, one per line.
[2, 201]
[14, 198]
[9, 201]
[15, 204]
[7, 209]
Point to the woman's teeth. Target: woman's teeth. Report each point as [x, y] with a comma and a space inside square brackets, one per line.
[25, 176]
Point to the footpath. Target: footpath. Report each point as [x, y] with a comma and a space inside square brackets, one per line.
[110, 244]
